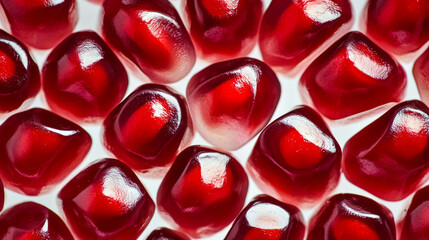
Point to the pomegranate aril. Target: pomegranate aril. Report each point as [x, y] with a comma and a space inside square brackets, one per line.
[32, 221]
[293, 30]
[223, 29]
[83, 80]
[1, 195]
[148, 129]
[203, 191]
[41, 23]
[415, 224]
[151, 34]
[352, 217]
[421, 75]
[166, 234]
[106, 201]
[269, 219]
[388, 158]
[19, 74]
[398, 26]
[296, 158]
[38, 149]
[352, 76]
[232, 101]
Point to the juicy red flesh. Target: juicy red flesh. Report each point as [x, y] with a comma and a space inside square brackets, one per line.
[415, 224]
[269, 219]
[398, 26]
[1, 195]
[296, 158]
[19, 74]
[293, 30]
[388, 158]
[232, 101]
[42, 23]
[421, 75]
[32, 221]
[38, 149]
[352, 76]
[148, 129]
[151, 34]
[223, 29]
[203, 191]
[352, 217]
[166, 234]
[83, 79]
[106, 201]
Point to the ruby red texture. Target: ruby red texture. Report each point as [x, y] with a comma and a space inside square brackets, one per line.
[151, 34]
[296, 158]
[38, 149]
[389, 157]
[352, 76]
[106, 201]
[149, 128]
[232, 101]
[269, 219]
[203, 191]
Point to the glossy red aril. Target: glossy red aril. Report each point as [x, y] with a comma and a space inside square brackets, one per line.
[398, 26]
[353, 76]
[149, 128]
[32, 221]
[151, 34]
[166, 234]
[106, 201]
[269, 219]
[38, 149]
[232, 101]
[294, 30]
[352, 217]
[19, 74]
[415, 224]
[203, 191]
[421, 75]
[389, 157]
[296, 158]
[224, 29]
[41, 23]
[1, 195]
[83, 79]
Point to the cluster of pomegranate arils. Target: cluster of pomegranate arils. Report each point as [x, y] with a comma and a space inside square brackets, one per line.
[296, 160]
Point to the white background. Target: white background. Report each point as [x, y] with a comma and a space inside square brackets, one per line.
[89, 18]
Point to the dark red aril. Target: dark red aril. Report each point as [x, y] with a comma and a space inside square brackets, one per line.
[83, 80]
[421, 75]
[203, 191]
[151, 34]
[106, 201]
[294, 32]
[32, 221]
[1, 195]
[224, 29]
[38, 149]
[19, 74]
[296, 158]
[232, 101]
[166, 234]
[353, 76]
[149, 128]
[398, 26]
[415, 224]
[388, 158]
[41, 23]
[352, 217]
[269, 219]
